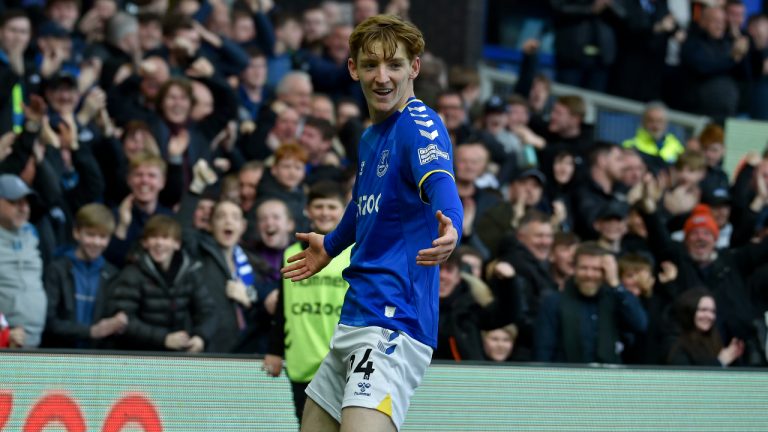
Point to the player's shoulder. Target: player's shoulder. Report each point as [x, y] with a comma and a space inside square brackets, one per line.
[419, 122]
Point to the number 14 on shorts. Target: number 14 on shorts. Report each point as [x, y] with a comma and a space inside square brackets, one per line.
[364, 366]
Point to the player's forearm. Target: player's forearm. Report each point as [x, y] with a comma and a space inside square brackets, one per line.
[441, 190]
[344, 234]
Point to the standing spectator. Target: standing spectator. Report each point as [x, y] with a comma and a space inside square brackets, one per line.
[15, 34]
[585, 322]
[712, 141]
[236, 281]
[300, 337]
[700, 343]
[585, 41]
[146, 178]
[603, 185]
[471, 160]
[642, 38]
[654, 142]
[22, 297]
[713, 62]
[566, 131]
[77, 284]
[167, 305]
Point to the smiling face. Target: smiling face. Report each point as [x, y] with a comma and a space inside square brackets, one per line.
[161, 249]
[498, 345]
[227, 224]
[387, 83]
[146, 182]
[91, 242]
[325, 214]
[274, 223]
[705, 315]
[176, 105]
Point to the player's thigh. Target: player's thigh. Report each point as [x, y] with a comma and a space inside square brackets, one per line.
[316, 419]
[355, 419]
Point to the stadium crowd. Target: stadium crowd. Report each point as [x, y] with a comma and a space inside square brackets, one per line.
[157, 158]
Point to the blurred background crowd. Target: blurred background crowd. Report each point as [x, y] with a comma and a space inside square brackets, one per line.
[157, 157]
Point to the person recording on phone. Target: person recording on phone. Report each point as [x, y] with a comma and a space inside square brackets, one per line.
[585, 323]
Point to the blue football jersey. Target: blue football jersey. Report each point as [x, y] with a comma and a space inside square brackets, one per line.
[395, 221]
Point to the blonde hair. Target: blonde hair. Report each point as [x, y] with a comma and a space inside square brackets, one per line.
[389, 30]
[97, 217]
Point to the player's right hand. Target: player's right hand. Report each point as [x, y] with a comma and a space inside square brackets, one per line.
[309, 261]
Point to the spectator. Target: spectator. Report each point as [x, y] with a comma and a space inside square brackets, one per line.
[655, 295]
[134, 97]
[77, 286]
[566, 131]
[275, 228]
[467, 306]
[15, 34]
[237, 283]
[167, 305]
[602, 186]
[364, 9]
[471, 160]
[642, 49]
[585, 42]
[712, 140]
[22, 297]
[301, 337]
[757, 89]
[700, 343]
[146, 178]
[322, 161]
[685, 191]
[559, 190]
[285, 181]
[252, 90]
[499, 344]
[150, 31]
[316, 28]
[713, 62]
[611, 226]
[525, 193]
[585, 322]
[564, 246]
[657, 146]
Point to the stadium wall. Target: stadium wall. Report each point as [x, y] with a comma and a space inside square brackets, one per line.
[106, 392]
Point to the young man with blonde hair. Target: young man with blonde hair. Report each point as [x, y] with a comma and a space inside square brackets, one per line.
[405, 219]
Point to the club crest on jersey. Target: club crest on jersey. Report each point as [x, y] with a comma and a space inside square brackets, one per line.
[431, 152]
[362, 165]
[383, 164]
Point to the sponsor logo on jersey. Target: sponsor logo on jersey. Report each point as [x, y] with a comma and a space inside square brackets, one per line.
[430, 153]
[368, 204]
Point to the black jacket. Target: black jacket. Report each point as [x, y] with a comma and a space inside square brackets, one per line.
[214, 275]
[61, 327]
[156, 308]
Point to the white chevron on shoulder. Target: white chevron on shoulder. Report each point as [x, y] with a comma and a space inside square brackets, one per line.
[419, 115]
[427, 123]
[431, 135]
[421, 108]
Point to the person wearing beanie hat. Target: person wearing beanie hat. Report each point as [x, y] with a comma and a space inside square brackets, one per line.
[724, 272]
[701, 233]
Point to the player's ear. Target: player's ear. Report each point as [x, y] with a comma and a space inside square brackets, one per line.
[352, 69]
[415, 67]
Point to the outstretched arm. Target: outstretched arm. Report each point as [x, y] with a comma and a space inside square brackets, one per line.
[309, 261]
[444, 197]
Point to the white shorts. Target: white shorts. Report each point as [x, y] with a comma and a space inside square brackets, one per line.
[370, 367]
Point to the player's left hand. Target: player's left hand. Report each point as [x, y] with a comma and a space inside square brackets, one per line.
[443, 246]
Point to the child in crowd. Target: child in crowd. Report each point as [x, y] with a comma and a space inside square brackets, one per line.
[168, 306]
[77, 284]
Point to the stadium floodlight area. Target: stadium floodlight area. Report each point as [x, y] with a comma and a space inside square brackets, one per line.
[99, 391]
[615, 118]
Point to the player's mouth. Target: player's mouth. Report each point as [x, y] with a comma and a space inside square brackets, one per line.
[383, 92]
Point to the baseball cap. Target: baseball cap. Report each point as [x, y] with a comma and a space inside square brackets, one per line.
[12, 187]
[61, 79]
[613, 210]
[495, 105]
[701, 217]
[716, 197]
[532, 172]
